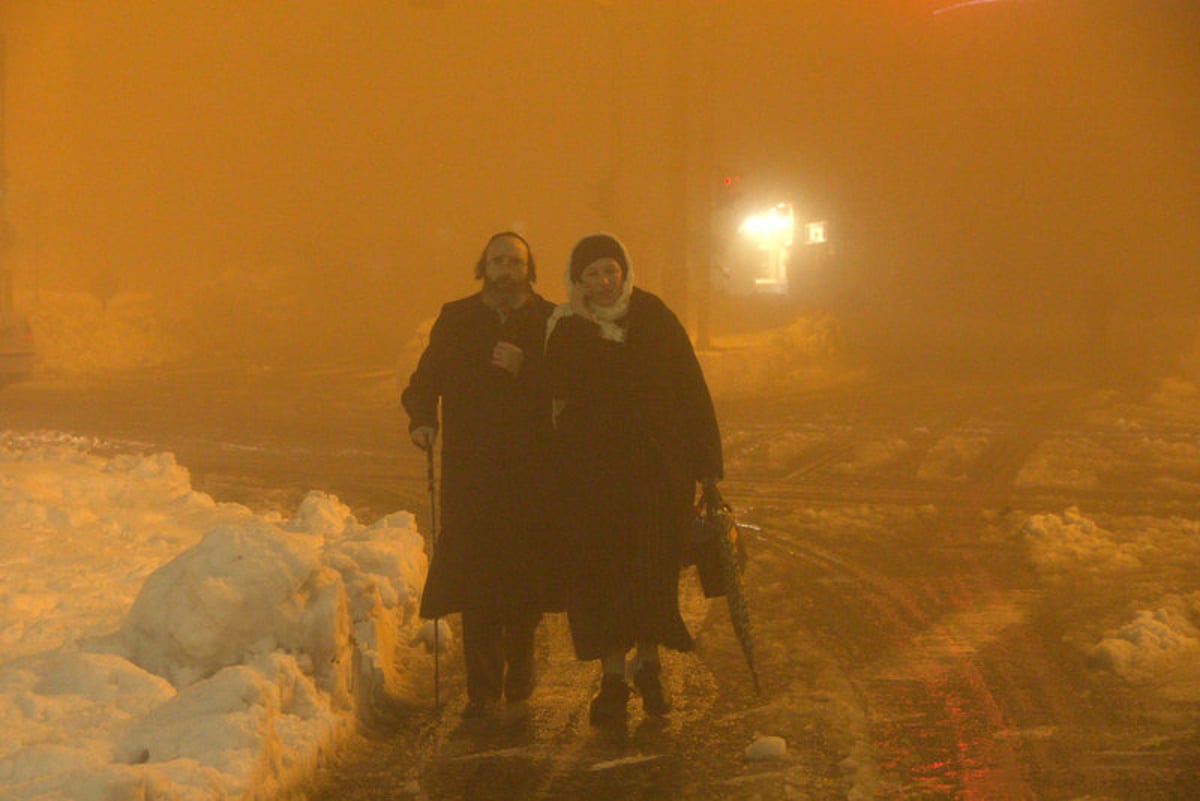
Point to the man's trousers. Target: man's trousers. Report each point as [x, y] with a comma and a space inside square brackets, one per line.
[498, 651]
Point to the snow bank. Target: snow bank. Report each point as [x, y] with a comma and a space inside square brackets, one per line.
[1070, 543]
[952, 456]
[156, 644]
[1154, 641]
[1160, 642]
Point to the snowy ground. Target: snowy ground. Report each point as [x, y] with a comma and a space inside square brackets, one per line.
[154, 641]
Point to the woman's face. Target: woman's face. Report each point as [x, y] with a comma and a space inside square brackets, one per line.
[601, 281]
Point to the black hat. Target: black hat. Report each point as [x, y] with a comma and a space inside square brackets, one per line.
[597, 246]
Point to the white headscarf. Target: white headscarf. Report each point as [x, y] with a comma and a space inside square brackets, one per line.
[607, 317]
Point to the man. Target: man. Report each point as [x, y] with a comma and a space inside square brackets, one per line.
[484, 363]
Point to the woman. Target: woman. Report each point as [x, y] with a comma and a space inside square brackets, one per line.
[635, 431]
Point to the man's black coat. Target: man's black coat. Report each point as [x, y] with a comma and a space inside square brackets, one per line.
[493, 550]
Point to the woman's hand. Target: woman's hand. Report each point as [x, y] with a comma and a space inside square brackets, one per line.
[577, 295]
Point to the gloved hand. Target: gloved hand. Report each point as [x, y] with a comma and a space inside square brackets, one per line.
[424, 437]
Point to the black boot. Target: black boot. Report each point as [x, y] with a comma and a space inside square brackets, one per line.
[518, 690]
[648, 680]
[609, 706]
[521, 677]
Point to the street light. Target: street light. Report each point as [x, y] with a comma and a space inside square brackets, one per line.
[772, 232]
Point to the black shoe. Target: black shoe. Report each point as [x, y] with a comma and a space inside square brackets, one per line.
[518, 696]
[608, 707]
[517, 690]
[648, 680]
[477, 708]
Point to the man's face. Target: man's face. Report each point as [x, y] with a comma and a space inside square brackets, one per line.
[506, 264]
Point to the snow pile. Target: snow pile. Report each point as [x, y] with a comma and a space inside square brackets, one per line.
[952, 456]
[319, 574]
[1065, 463]
[1154, 641]
[767, 747]
[1072, 543]
[249, 645]
[1150, 557]
[79, 533]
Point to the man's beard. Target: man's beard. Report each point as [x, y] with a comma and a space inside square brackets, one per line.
[506, 288]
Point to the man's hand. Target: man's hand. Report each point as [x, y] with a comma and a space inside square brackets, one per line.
[424, 437]
[508, 356]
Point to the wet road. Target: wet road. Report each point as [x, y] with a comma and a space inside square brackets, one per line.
[906, 645]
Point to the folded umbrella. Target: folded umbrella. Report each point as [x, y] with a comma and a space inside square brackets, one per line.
[720, 557]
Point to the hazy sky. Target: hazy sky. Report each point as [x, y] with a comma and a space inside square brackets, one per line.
[368, 148]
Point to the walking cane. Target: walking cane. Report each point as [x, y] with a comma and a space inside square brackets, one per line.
[433, 532]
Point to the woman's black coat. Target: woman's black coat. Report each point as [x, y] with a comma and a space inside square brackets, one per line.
[491, 551]
[636, 433]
